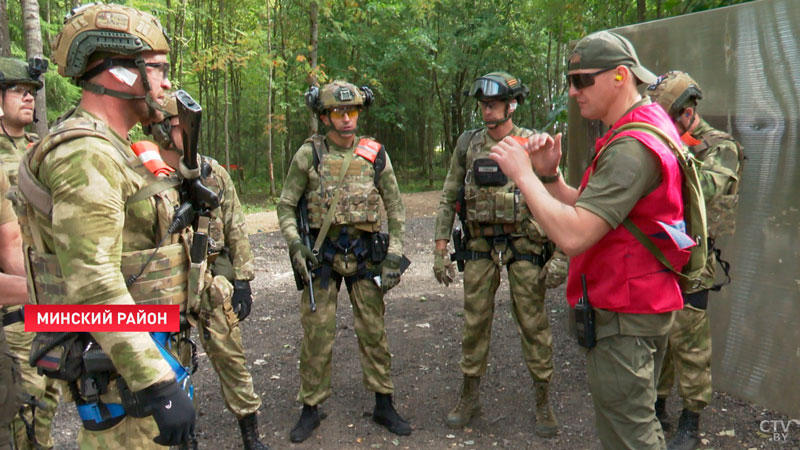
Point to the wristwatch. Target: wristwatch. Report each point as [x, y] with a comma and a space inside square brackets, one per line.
[545, 179]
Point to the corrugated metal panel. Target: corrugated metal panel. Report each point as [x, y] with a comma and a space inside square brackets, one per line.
[747, 61]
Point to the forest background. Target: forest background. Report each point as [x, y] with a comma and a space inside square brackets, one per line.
[249, 62]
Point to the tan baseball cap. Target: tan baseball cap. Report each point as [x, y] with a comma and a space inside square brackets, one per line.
[605, 50]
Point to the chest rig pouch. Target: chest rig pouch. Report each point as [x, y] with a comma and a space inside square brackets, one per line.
[487, 172]
[491, 198]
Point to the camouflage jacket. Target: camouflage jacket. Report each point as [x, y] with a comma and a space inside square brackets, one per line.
[304, 179]
[11, 151]
[226, 230]
[501, 204]
[720, 175]
[90, 181]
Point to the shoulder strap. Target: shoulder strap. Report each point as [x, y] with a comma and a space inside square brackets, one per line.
[627, 222]
[151, 189]
[326, 224]
[317, 144]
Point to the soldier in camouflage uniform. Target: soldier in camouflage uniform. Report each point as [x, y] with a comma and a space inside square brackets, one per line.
[500, 232]
[689, 348]
[19, 84]
[343, 177]
[91, 215]
[228, 300]
[13, 291]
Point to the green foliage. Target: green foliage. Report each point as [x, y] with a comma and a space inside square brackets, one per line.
[418, 56]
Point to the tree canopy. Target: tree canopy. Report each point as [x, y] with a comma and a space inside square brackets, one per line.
[249, 62]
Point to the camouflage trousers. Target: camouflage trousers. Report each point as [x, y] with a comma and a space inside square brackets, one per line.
[481, 280]
[319, 331]
[44, 389]
[222, 340]
[621, 371]
[688, 356]
[9, 390]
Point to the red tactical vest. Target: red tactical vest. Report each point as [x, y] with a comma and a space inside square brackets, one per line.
[621, 274]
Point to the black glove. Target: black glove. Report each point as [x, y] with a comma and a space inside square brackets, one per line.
[242, 300]
[173, 412]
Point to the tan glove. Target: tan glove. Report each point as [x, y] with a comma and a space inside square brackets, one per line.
[445, 272]
[554, 271]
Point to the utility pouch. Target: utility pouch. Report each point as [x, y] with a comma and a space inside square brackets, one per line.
[584, 319]
[59, 355]
[488, 173]
[95, 360]
[378, 247]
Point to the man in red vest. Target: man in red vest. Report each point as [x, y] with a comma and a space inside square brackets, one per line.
[634, 176]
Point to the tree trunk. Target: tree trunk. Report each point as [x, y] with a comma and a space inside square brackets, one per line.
[225, 123]
[270, 165]
[641, 10]
[313, 18]
[33, 48]
[5, 37]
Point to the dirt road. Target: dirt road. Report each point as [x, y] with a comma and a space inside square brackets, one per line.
[423, 322]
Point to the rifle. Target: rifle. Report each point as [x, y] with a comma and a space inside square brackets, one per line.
[305, 231]
[198, 200]
[460, 233]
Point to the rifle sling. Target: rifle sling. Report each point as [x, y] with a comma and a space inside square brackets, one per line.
[326, 224]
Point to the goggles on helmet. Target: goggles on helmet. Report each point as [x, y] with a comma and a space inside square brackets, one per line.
[488, 88]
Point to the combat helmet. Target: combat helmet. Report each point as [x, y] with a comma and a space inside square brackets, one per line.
[337, 94]
[99, 31]
[14, 71]
[675, 91]
[498, 86]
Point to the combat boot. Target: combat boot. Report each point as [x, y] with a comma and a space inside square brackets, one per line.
[309, 419]
[662, 415]
[385, 414]
[687, 437]
[249, 426]
[546, 422]
[469, 404]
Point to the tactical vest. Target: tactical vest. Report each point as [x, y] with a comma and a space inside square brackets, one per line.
[493, 205]
[165, 280]
[359, 200]
[721, 209]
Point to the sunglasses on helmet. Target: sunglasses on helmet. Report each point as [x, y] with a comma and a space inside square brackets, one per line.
[584, 80]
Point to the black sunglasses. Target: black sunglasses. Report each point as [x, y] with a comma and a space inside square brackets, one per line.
[584, 80]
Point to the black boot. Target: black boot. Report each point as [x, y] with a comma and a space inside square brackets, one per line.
[662, 415]
[249, 426]
[688, 435]
[384, 414]
[191, 445]
[309, 419]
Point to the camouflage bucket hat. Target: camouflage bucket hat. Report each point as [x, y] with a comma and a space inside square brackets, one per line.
[340, 93]
[606, 50]
[674, 91]
[14, 71]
